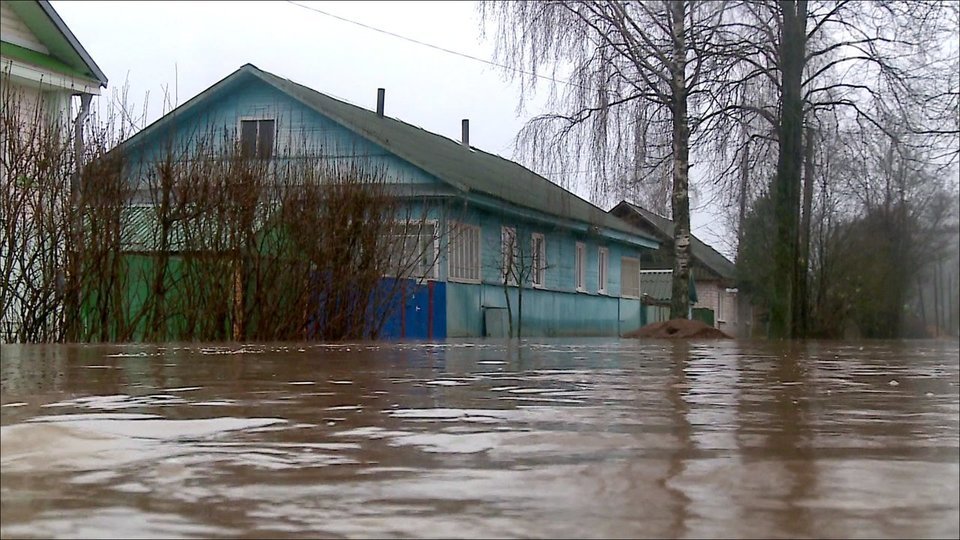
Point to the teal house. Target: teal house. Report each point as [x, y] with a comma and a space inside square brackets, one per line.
[581, 265]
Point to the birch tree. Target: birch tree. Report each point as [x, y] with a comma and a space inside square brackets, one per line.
[639, 72]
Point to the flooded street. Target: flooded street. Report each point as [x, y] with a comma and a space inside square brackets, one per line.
[585, 438]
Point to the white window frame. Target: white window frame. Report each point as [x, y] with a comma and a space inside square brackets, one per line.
[259, 118]
[580, 268]
[720, 313]
[603, 269]
[456, 246]
[508, 241]
[538, 259]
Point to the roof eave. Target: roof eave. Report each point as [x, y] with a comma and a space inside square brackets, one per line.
[73, 41]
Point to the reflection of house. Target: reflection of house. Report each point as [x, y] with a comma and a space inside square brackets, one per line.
[42, 68]
[578, 249]
[713, 274]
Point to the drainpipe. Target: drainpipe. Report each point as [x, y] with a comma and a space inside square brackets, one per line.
[73, 258]
[78, 145]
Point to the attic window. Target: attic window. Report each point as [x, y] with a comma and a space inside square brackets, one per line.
[256, 138]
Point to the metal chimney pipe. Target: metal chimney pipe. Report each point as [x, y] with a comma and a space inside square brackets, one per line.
[380, 96]
[465, 132]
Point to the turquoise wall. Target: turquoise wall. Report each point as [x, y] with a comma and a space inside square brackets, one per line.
[545, 312]
[557, 309]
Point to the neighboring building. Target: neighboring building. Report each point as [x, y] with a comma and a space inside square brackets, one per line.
[43, 68]
[715, 296]
[587, 280]
[45, 61]
[656, 290]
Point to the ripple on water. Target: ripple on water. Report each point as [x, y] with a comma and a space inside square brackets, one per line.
[592, 438]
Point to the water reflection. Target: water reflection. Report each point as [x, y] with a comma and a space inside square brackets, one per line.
[584, 438]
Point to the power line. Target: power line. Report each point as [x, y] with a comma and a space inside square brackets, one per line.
[436, 47]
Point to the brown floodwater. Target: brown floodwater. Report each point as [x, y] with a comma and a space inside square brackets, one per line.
[585, 438]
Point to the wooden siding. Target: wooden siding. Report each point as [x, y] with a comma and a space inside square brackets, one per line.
[301, 131]
[15, 31]
[54, 104]
[557, 309]
[545, 313]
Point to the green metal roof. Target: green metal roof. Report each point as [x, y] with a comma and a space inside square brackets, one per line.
[469, 170]
[658, 285]
[706, 255]
[29, 56]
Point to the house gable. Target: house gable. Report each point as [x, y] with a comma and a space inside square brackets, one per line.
[709, 264]
[215, 116]
[37, 47]
[15, 31]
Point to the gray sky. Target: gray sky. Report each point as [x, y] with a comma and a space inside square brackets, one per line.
[188, 46]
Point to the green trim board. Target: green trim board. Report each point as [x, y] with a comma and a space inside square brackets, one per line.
[45, 61]
[47, 25]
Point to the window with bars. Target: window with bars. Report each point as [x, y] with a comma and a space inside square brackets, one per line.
[463, 257]
[630, 277]
[580, 269]
[538, 250]
[257, 137]
[602, 264]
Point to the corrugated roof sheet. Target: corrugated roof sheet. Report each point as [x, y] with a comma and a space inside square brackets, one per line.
[657, 284]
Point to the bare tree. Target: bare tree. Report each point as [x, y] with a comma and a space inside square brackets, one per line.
[199, 241]
[640, 73]
[848, 64]
[521, 265]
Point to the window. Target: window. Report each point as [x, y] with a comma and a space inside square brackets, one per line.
[720, 298]
[602, 256]
[630, 277]
[256, 138]
[508, 255]
[413, 251]
[538, 259]
[580, 270]
[464, 252]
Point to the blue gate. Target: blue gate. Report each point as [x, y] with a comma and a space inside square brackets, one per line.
[421, 312]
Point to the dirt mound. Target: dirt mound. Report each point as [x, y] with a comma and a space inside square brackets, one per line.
[678, 329]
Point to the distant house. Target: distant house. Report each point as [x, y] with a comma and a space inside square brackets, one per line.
[43, 68]
[588, 261]
[713, 274]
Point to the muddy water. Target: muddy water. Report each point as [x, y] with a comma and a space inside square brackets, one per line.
[547, 439]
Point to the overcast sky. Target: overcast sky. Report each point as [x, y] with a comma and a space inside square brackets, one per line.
[188, 46]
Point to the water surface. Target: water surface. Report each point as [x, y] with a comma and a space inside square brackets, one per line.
[586, 438]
